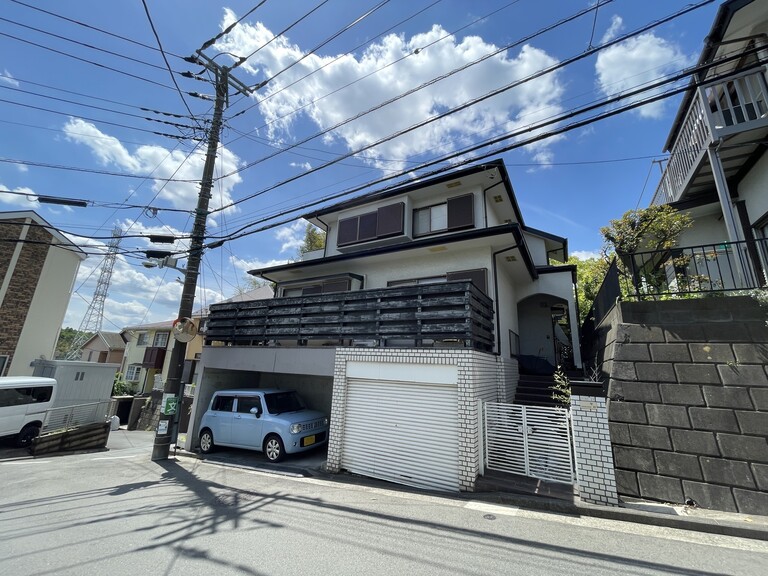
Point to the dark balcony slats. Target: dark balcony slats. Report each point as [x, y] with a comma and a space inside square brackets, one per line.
[422, 315]
[154, 357]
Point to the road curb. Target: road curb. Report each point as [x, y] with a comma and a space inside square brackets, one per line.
[708, 525]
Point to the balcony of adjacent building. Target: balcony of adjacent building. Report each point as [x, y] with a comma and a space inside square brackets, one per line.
[450, 314]
[724, 125]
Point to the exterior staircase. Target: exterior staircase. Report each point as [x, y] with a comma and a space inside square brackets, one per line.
[535, 389]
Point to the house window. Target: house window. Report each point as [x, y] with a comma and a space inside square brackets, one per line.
[477, 277]
[454, 214]
[133, 373]
[141, 339]
[382, 223]
[319, 287]
[161, 340]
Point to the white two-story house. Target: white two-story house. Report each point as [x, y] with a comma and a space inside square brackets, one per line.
[425, 300]
[717, 169]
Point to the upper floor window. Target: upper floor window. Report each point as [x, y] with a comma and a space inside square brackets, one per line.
[453, 214]
[382, 223]
[142, 339]
[317, 287]
[477, 277]
[161, 340]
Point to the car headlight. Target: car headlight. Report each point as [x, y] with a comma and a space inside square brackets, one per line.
[325, 421]
[295, 428]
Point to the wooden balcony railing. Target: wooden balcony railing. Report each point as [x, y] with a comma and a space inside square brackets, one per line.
[718, 110]
[447, 314]
[154, 357]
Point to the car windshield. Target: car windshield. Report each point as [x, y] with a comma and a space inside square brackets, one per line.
[279, 402]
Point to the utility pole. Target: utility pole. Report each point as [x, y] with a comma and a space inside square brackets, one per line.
[166, 429]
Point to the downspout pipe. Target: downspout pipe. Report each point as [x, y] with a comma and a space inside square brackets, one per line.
[496, 294]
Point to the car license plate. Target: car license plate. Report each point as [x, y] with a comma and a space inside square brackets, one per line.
[309, 440]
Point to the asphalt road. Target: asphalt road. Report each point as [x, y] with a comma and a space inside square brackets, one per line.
[119, 513]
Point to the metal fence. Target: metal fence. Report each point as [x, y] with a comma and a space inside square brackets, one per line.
[721, 267]
[528, 440]
[69, 417]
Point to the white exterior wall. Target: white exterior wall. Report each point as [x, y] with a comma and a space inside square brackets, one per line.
[506, 311]
[406, 267]
[46, 311]
[754, 190]
[538, 250]
[706, 229]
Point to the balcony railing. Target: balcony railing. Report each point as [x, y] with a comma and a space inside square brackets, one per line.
[722, 267]
[154, 357]
[447, 314]
[720, 109]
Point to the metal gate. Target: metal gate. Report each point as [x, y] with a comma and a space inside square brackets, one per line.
[528, 440]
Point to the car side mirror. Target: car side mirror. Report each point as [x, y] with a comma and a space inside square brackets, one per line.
[257, 411]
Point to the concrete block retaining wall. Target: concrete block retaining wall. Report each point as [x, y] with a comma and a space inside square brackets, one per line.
[688, 401]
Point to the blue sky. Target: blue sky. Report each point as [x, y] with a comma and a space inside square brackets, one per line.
[83, 106]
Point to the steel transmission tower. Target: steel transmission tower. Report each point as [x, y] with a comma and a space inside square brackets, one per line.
[95, 314]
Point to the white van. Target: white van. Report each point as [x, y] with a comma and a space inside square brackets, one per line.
[23, 403]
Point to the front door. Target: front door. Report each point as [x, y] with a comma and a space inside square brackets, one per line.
[247, 427]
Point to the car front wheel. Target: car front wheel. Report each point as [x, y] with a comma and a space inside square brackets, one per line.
[273, 448]
[206, 441]
[28, 433]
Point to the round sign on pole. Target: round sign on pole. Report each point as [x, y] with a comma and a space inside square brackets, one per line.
[184, 329]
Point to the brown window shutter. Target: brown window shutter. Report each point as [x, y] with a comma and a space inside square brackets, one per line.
[347, 231]
[390, 220]
[461, 212]
[367, 227]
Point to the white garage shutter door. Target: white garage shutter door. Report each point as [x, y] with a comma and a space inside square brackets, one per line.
[404, 432]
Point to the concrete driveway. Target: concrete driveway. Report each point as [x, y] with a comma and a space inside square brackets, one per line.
[311, 463]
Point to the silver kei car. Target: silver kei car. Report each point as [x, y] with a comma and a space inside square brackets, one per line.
[272, 421]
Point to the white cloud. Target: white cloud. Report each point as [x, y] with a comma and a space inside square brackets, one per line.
[636, 61]
[162, 163]
[25, 199]
[22, 168]
[244, 264]
[291, 236]
[617, 25]
[302, 165]
[586, 254]
[512, 109]
[8, 78]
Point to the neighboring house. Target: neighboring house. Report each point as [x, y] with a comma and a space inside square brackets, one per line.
[38, 267]
[684, 354]
[423, 302]
[718, 169]
[147, 354]
[103, 347]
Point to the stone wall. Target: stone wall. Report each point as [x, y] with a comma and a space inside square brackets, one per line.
[688, 401]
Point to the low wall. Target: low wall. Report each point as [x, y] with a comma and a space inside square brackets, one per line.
[688, 401]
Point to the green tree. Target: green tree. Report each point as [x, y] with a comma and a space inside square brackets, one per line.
[590, 273]
[66, 337]
[651, 229]
[314, 239]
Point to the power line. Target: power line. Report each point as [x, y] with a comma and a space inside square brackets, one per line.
[473, 159]
[112, 110]
[242, 60]
[165, 59]
[104, 66]
[85, 45]
[58, 89]
[210, 42]
[101, 121]
[93, 170]
[396, 61]
[455, 109]
[90, 27]
[425, 85]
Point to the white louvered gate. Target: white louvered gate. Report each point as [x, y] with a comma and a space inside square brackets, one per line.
[528, 440]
